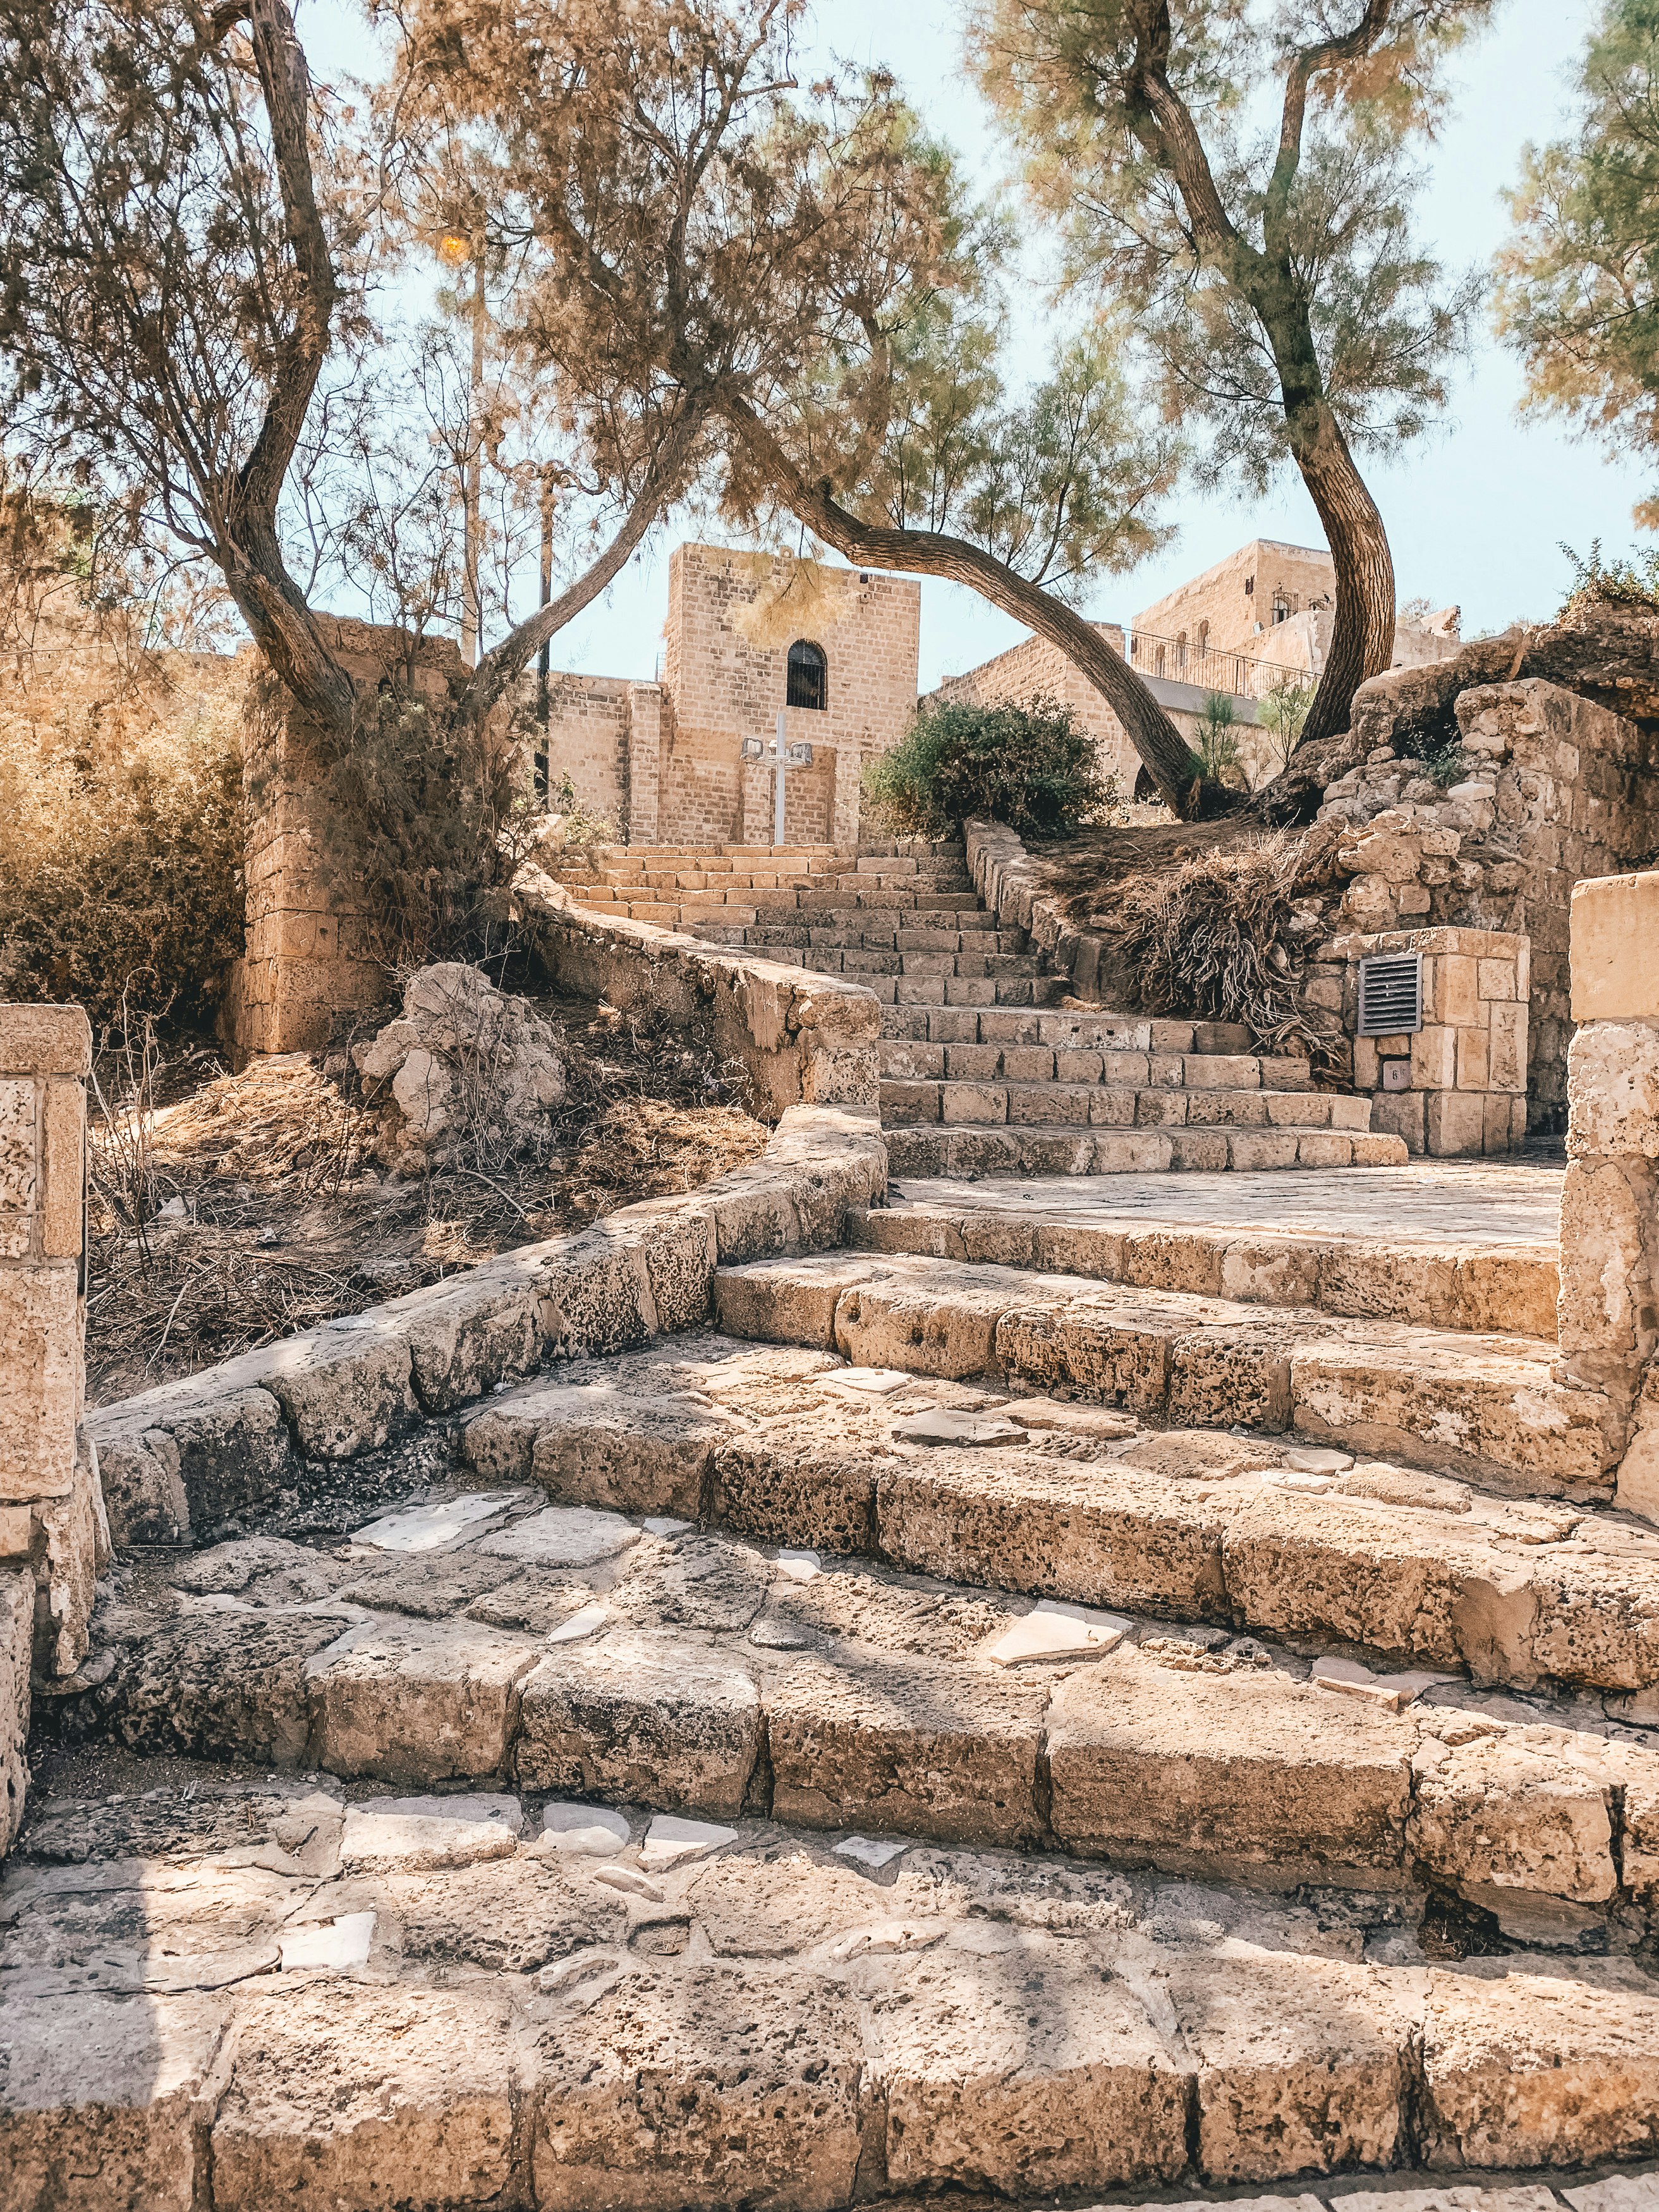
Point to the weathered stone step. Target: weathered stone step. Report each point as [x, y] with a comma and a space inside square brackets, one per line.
[764, 2019]
[699, 1674]
[1444, 1285]
[1485, 1405]
[1067, 1030]
[989, 1148]
[894, 933]
[929, 987]
[1115, 1103]
[903, 1061]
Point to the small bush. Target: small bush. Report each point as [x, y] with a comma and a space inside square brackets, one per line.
[1282, 711]
[1217, 752]
[1615, 583]
[1032, 768]
[121, 877]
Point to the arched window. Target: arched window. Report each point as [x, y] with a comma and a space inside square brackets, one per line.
[1203, 638]
[1145, 790]
[809, 677]
[1180, 651]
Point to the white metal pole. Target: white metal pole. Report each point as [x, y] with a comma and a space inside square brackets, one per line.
[777, 786]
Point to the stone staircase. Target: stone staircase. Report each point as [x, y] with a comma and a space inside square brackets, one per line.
[983, 1070]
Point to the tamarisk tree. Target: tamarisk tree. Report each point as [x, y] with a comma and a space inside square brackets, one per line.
[1236, 178]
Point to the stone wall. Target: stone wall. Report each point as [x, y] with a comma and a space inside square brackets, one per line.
[800, 1037]
[311, 955]
[1608, 1316]
[1553, 788]
[1464, 1073]
[54, 1541]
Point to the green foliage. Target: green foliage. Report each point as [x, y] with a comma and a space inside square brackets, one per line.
[1444, 761]
[1281, 713]
[1578, 282]
[121, 878]
[581, 825]
[1032, 768]
[1598, 583]
[1217, 751]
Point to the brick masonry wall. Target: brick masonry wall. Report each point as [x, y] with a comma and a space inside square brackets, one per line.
[1553, 790]
[1235, 597]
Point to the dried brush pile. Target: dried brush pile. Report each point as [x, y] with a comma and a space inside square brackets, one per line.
[1224, 935]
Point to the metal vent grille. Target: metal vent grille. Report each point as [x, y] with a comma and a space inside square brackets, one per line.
[1391, 994]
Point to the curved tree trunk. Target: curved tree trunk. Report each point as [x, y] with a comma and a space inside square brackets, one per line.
[1362, 645]
[1167, 755]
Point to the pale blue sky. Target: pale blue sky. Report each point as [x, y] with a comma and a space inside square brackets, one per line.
[1474, 511]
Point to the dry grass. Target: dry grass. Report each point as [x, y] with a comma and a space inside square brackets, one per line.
[283, 1219]
[1213, 923]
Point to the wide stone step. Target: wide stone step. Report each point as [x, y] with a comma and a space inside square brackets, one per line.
[1445, 1285]
[756, 2017]
[1117, 1104]
[700, 1674]
[905, 1060]
[1067, 1030]
[988, 1148]
[893, 935]
[1482, 1405]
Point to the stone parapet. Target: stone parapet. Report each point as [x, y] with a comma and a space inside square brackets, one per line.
[1009, 881]
[800, 1037]
[1456, 1088]
[190, 1454]
[53, 1540]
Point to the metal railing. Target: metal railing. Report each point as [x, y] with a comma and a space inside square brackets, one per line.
[1184, 662]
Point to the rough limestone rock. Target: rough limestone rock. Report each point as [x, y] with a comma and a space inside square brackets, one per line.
[464, 1063]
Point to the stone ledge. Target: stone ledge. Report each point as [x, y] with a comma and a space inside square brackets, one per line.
[216, 1443]
[1615, 927]
[802, 1037]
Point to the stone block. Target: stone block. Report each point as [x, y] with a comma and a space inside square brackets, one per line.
[1023, 2072]
[1607, 1321]
[1472, 1059]
[104, 2101]
[343, 2093]
[1301, 2064]
[45, 1040]
[417, 1700]
[912, 1745]
[1616, 949]
[784, 1301]
[62, 1123]
[1507, 1048]
[1529, 2062]
[1457, 1124]
[1454, 994]
[1434, 1058]
[16, 1643]
[1522, 1809]
[72, 1550]
[345, 1386]
[40, 1379]
[778, 2060]
[646, 1717]
[927, 1328]
[1612, 1089]
[1497, 979]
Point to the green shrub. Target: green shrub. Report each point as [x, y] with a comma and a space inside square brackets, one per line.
[1632, 583]
[121, 875]
[1032, 768]
[1217, 751]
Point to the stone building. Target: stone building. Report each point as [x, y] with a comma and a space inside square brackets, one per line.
[747, 634]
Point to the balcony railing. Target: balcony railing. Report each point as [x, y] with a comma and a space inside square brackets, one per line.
[1183, 662]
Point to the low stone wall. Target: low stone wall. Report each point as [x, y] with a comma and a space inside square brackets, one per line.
[1010, 882]
[54, 1538]
[186, 1457]
[1553, 789]
[801, 1038]
[1608, 1316]
[1465, 1071]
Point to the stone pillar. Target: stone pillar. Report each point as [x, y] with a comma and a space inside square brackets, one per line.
[54, 1540]
[844, 804]
[1461, 1088]
[645, 703]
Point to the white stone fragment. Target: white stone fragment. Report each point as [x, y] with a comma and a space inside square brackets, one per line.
[563, 1536]
[1620, 2192]
[885, 1939]
[1056, 1632]
[580, 1966]
[337, 1943]
[799, 1566]
[429, 1528]
[669, 1840]
[1395, 1692]
[631, 1879]
[869, 1382]
[1318, 1458]
[660, 1525]
[590, 1831]
[870, 1851]
[943, 1425]
[415, 1835]
[586, 1621]
[1294, 1478]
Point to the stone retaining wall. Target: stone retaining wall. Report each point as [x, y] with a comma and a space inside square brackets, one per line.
[190, 1455]
[801, 1038]
[54, 1538]
[1010, 882]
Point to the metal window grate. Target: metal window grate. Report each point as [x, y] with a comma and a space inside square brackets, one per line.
[1391, 994]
